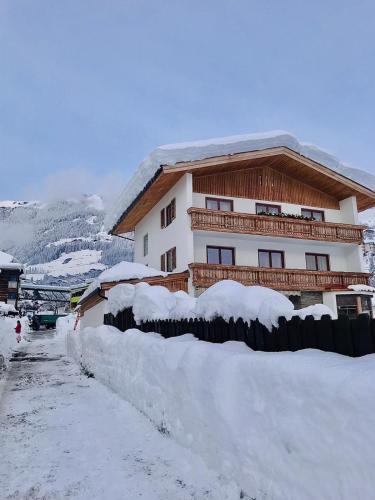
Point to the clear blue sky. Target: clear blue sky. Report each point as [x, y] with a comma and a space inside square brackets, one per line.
[93, 86]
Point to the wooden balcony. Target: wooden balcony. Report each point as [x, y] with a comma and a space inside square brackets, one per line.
[205, 275]
[265, 225]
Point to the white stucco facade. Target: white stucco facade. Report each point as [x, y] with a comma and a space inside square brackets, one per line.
[191, 245]
[178, 234]
[94, 316]
[347, 214]
[343, 257]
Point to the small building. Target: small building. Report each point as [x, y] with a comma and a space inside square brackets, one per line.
[91, 305]
[10, 272]
[261, 209]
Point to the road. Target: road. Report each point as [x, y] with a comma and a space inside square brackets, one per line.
[63, 435]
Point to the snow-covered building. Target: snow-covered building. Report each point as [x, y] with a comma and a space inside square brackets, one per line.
[261, 209]
[92, 304]
[10, 272]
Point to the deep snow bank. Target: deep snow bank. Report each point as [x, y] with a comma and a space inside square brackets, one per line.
[226, 299]
[294, 426]
[8, 340]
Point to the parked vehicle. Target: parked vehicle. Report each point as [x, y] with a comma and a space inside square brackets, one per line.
[44, 319]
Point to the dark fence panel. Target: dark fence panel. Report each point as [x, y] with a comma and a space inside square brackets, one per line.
[351, 337]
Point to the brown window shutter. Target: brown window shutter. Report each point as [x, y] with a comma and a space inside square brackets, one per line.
[173, 208]
[162, 262]
[162, 218]
[174, 258]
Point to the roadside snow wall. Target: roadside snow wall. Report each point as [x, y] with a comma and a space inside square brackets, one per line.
[294, 426]
[8, 339]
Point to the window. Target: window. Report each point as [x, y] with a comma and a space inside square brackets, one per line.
[145, 245]
[219, 204]
[168, 261]
[317, 262]
[220, 255]
[264, 208]
[168, 214]
[12, 296]
[271, 258]
[12, 283]
[313, 214]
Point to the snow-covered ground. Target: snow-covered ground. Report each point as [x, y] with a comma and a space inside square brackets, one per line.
[282, 426]
[64, 435]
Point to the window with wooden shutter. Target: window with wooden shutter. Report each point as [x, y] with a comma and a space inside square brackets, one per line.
[173, 209]
[170, 212]
[162, 262]
[174, 265]
[169, 260]
[162, 218]
[145, 245]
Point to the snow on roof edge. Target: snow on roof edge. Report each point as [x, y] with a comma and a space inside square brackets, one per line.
[172, 154]
[120, 272]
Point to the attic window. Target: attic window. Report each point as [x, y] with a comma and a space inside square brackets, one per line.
[168, 214]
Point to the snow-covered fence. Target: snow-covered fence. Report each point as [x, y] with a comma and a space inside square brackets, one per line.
[351, 337]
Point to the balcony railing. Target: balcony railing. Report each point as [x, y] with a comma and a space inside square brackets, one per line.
[265, 225]
[205, 275]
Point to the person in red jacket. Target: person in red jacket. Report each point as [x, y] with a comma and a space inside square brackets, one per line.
[18, 331]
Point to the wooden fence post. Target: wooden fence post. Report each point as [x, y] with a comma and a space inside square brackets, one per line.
[342, 336]
[362, 338]
[294, 334]
[283, 340]
[325, 334]
[308, 333]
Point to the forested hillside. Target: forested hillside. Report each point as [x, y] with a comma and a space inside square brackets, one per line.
[60, 241]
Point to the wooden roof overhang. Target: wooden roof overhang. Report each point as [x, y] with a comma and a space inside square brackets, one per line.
[280, 159]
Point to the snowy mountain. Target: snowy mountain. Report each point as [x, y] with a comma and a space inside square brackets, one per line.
[61, 242]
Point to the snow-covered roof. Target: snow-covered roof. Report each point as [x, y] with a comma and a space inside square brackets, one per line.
[171, 154]
[121, 272]
[7, 262]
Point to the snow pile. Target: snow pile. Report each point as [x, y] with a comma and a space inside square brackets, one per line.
[8, 341]
[120, 297]
[185, 306]
[152, 302]
[172, 154]
[296, 426]
[226, 299]
[120, 272]
[65, 324]
[7, 308]
[316, 310]
[230, 299]
[362, 288]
